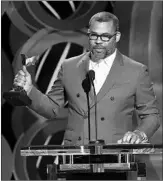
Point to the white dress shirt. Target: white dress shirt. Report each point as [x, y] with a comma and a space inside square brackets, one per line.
[101, 69]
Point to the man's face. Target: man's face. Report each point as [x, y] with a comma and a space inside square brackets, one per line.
[101, 49]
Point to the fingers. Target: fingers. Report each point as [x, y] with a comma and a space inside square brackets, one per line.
[130, 137]
[127, 137]
[25, 71]
[138, 141]
[21, 72]
[20, 79]
[119, 141]
[133, 138]
[23, 79]
[144, 150]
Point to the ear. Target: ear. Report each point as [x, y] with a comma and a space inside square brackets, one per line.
[118, 36]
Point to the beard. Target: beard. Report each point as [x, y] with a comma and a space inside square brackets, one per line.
[99, 52]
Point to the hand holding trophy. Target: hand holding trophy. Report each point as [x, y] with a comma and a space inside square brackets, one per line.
[22, 85]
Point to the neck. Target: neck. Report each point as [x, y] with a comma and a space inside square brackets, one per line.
[111, 52]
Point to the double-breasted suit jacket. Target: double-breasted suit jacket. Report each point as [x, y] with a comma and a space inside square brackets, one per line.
[127, 88]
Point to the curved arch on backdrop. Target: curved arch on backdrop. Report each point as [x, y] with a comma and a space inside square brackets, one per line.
[55, 38]
[7, 75]
[23, 118]
[44, 39]
[18, 170]
[77, 23]
[17, 20]
[28, 45]
[22, 10]
[4, 6]
[80, 10]
[16, 38]
[23, 165]
[30, 17]
[6, 159]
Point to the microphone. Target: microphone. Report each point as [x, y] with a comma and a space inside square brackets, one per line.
[86, 84]
[91, 75]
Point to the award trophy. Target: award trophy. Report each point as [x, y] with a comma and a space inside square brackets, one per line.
[18, 96]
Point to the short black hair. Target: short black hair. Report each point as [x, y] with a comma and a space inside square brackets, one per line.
[105, 17]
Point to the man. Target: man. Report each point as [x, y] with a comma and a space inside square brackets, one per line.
[122, 86]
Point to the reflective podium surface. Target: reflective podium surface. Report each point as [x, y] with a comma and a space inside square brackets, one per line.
[94, 161]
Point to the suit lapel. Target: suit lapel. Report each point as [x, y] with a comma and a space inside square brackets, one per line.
[83, 66]
[83, 69]
[114, 73]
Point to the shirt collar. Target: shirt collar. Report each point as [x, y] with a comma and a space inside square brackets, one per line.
[108, 60]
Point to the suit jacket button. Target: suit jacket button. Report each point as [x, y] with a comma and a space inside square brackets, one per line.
[112, 98]
[77, 95]
[79, 138]
[85, 116]
[102, 118]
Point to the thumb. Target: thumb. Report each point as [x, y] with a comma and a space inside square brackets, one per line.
[119, 141]
[25, 70]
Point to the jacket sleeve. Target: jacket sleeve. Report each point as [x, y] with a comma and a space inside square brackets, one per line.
[48, 105]
[146, 104]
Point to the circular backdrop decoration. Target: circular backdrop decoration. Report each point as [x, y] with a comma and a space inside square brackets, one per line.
[27, 168]
[81, 18]
[7, 75]
[4, 6]
[6, 160]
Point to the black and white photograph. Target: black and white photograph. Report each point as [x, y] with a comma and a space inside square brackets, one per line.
[81, 90]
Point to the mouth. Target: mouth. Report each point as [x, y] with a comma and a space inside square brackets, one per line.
[99, 49]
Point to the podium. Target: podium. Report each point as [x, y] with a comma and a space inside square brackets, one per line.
[94, 161]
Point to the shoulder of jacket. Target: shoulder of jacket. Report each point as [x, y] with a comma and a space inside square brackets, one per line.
[74, 59]
[133, 63]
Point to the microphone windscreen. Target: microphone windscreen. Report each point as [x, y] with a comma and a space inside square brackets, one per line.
[86, 85]
[91, 74]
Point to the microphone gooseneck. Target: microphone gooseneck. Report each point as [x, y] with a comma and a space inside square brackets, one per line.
[86, 84]
[91, 75]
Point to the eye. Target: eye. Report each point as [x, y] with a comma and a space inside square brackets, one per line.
[105, 37]
[93, 36]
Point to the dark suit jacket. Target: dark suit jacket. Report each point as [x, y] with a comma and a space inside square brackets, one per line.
[127, 88]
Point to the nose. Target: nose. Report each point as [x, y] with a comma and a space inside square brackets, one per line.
[98, 41]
